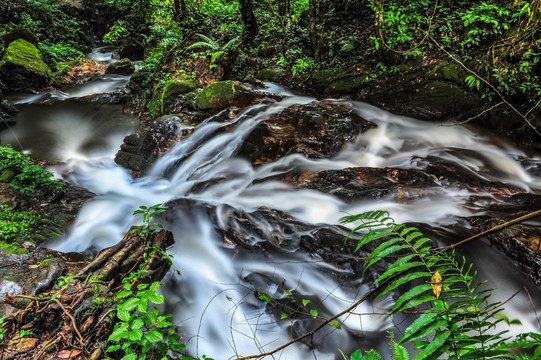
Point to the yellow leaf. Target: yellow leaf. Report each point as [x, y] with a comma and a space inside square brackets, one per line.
[436, 284]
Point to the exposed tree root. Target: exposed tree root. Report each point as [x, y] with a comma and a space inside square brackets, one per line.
[74, 322]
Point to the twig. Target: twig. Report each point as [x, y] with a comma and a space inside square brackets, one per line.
[319, 327]
[480, 114]
[493, 229]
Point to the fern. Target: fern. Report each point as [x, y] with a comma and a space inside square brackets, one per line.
[457, 318]
[207, 43]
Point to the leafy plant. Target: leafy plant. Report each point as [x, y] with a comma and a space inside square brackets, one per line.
[19, 172]
[215, 50]
[17, 225]
[457, 316]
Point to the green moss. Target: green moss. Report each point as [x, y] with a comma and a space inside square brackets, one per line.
[326, 76]
[22, 53]
[155, 104]
[452, 71]
[219, 94]
[174, 87]
[12, 249]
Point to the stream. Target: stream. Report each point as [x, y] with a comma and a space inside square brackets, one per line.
[204, 185]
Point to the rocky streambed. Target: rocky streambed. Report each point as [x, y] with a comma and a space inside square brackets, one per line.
[254, 182]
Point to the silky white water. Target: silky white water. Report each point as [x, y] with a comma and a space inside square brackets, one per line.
[203, 182]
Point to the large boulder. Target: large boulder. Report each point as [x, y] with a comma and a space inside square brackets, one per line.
[121, 67]
[316, 130]
[7, 111]
[20, 33]
[22, 68]
[221, 94]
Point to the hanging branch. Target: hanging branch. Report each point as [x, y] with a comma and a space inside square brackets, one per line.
[493, 229]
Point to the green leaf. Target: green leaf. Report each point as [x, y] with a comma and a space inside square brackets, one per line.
[131, 356]
[128, 305]
[112, 348]
[335, 324]
[124, 293]
[123, 315]
[137, 323]
[314, 313]
[434, 345]
[411, 294]
[283, 316]
[156, 298]
[135, 335]
[154, 336]
[400, 352]
[119, 332]
[264, 297]
[305, 302]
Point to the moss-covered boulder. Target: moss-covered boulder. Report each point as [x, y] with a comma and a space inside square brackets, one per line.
[20, 33]
[222, 94]
[171, 98]
[22, 68]
[121, 67]
[339, 81]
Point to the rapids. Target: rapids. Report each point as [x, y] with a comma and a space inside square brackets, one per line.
[202, 181]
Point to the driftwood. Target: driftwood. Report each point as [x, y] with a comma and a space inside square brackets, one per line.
[75, 321]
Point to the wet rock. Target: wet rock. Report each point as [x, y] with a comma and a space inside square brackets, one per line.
[372, 183]
[137, 152]
[520, 242]
[121, 67]
[22, 68]
[7, 194]
[132, 50]
[340, 81]
[221, 94]
[316, 130]
[7, 111]
[119, 96]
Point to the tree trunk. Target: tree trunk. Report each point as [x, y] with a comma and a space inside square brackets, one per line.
[248, 17]
[74, 322]
[313, 12]
[179, 10]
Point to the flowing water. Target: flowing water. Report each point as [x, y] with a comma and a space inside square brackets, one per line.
[203, 183]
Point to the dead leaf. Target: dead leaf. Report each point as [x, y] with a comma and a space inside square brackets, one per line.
[66, 354]
[436, 284]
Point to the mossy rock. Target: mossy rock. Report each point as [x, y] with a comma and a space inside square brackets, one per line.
[340, 78]
[270, 75]
[222, 94]
[121, 67]
[163, 101]
[347, 85]
[22, 68]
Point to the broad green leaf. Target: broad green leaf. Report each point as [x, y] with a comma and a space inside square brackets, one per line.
[131, 356]
[137, 323]
[112, 348]
[123, 315]
[283, 316]
[123, 294]
[305, 302]
[154, 336]
[128, 305]
[156, 298]
[263, 297]
[135, 335]
[314, 313]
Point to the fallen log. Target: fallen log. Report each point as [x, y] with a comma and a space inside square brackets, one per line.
[75, 320]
